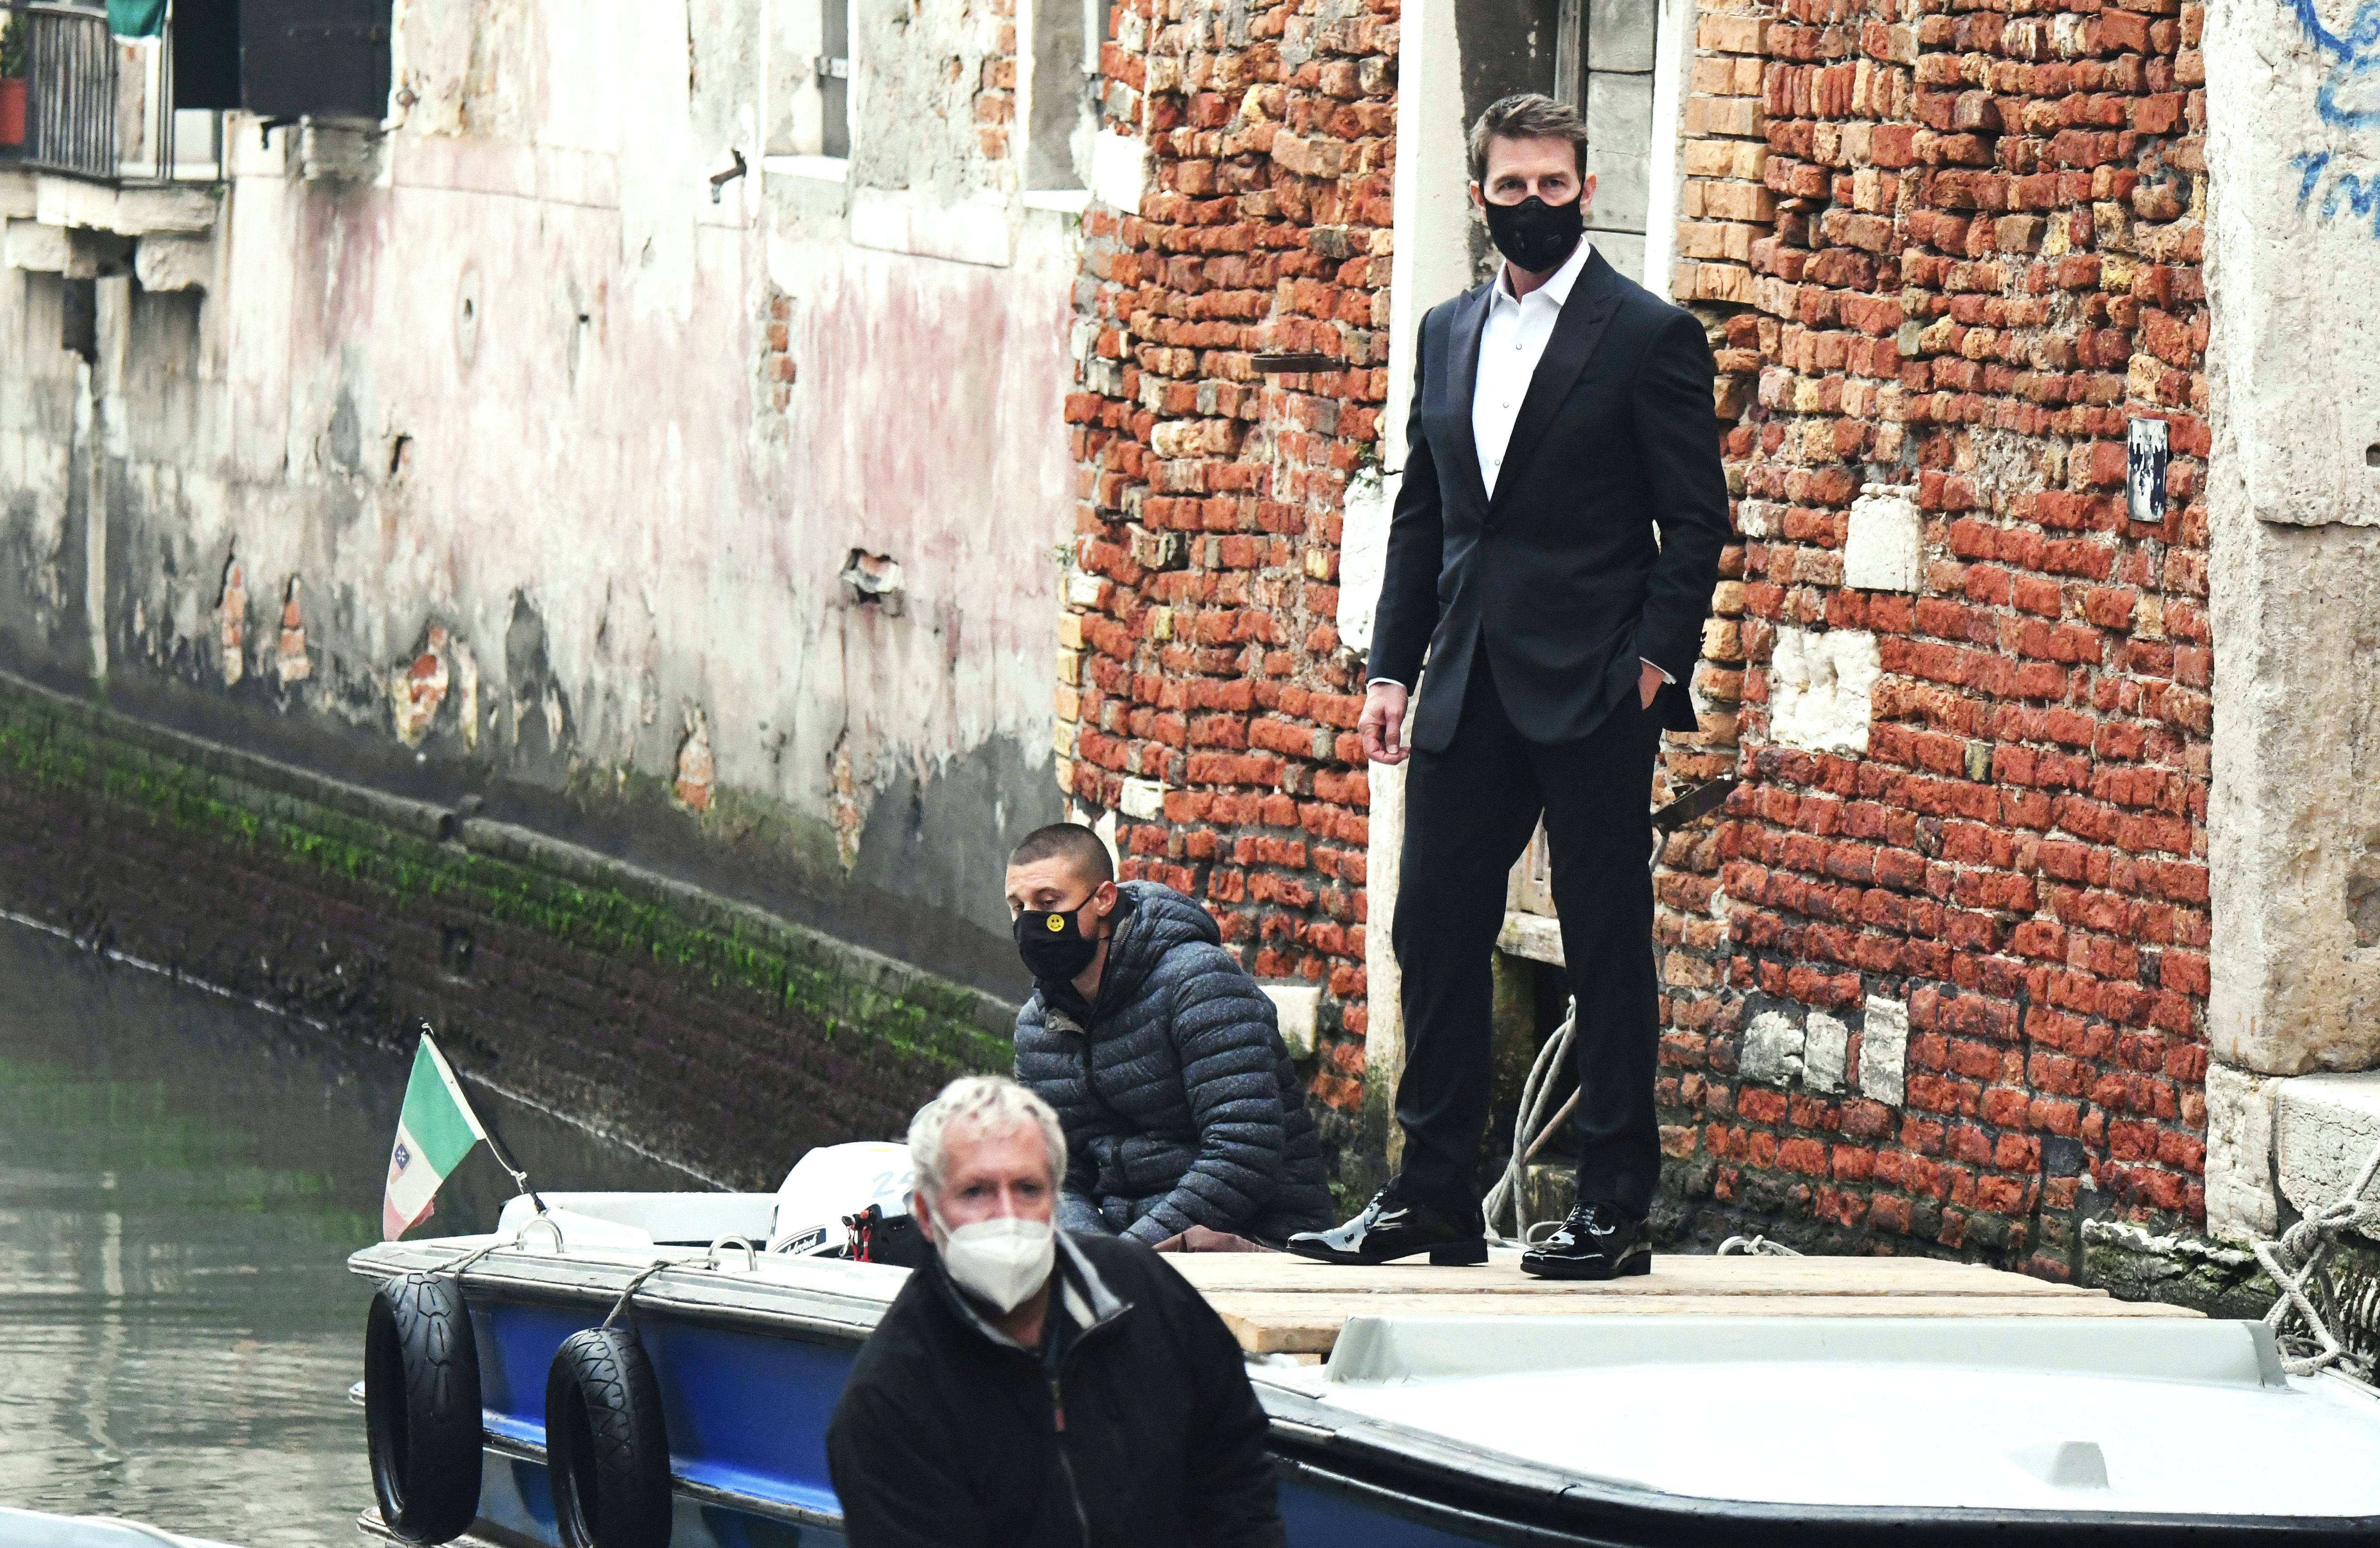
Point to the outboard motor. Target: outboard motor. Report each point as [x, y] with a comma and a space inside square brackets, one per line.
[834, 1186]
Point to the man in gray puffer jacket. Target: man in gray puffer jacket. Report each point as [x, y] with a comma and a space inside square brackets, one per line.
[1162, 1057]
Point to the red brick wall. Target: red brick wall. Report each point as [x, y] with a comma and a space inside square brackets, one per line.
[1955, 248]
[1202, 652]
[1950, 249]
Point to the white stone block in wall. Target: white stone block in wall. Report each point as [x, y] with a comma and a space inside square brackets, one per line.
[1821, 687]
[1535, 936]
[1772, 1049]
[896, 220]
[173, 263]
[1884, 1052]
[1142, 800]
[1886, 548]
[1363, 553]
[1106, 828]
[1296, 1008]
[1119, 171]
[38, 249]
[2241, 1202]
[2324, 1129]
[1825, 1049]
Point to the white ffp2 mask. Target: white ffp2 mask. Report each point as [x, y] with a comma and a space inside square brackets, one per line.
[1002, 1261]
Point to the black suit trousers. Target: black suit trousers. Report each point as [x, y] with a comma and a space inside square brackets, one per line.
[1469, 812]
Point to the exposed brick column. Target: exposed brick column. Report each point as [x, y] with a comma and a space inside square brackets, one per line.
[1203, 692]
[1952, 251]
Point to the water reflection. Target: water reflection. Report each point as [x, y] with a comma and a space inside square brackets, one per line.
[181, 1179]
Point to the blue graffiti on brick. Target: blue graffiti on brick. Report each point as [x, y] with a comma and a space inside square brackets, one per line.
[2350, 99]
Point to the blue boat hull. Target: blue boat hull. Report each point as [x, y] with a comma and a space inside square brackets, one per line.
[516, 1507]
[749, 1370]
[747, 1417]
[746, 1420]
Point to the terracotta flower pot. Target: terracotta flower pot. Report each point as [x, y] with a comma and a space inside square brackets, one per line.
[12, 112]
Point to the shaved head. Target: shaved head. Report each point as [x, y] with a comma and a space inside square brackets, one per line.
[1077, 846]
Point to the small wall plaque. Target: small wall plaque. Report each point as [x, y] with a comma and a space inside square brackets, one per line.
[2146, 448]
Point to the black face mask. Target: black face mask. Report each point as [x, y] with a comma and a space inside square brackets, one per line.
[1534, 235]
[1053, 946]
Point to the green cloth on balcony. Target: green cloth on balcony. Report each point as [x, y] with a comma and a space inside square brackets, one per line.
[136, 19]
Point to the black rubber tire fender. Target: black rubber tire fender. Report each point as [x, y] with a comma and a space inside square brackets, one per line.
[606, 1447]
[422, 1407]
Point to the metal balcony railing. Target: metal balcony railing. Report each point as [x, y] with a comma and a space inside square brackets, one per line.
[87, 115]
[71, 100]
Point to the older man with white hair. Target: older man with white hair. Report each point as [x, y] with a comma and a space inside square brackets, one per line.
[1028, 1387]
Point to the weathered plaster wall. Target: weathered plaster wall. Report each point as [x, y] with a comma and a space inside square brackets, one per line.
[516, 463]
[2293, 256]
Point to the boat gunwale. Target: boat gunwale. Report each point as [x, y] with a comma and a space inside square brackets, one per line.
[1564, 1507]
[1329, 1447]
[818, 1316]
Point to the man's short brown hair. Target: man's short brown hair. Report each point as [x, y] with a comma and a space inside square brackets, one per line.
[1082, 850]
[1527, 115]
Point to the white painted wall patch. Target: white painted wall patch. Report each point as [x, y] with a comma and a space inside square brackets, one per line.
[1820, 689]
[1885, 550]
[1826, 1048]
[1363, 553]
[1884, 1052]
[1297, 1008]
[1772, 1049]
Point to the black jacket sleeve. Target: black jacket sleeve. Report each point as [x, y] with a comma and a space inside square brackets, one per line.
[895, 1484]
[1233, 1499]
[1679, 437]
[1407, 614]
[1222, 1031]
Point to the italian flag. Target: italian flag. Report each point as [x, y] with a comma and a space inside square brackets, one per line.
[434, 1133]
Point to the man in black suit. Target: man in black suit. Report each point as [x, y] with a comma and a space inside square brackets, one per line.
[1562, 415]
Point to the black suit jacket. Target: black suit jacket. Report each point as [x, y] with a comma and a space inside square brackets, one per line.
[1559, 577]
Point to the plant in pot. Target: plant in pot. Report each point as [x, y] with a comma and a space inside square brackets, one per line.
[13, 52]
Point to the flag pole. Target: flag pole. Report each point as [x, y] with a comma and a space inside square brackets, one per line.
[496, 1147]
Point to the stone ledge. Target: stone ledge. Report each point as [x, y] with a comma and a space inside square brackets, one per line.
[2325, 1128]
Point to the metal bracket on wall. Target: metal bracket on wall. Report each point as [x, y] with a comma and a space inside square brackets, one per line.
[1695, 804]
[721, 179]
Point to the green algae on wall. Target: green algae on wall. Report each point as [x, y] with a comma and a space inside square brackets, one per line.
[408, 852]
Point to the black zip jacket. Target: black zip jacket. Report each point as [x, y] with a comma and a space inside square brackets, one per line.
[1181, 1105]
[1134, 1425]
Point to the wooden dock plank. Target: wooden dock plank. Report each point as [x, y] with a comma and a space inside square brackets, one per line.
[1309, 1325]
[1707, 1276]
[1277, 1304]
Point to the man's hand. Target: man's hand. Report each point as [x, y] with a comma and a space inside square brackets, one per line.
[1383, 724]
[1648, 683]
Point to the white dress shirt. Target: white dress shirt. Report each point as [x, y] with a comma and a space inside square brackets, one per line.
[1510, 344]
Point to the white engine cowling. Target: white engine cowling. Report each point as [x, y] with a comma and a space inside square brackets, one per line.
[833, 1181]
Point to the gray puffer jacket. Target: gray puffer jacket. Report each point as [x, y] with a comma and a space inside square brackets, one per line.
[1181, 1106]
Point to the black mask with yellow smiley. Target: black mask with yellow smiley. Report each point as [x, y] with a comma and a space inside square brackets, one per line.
[1053, 945]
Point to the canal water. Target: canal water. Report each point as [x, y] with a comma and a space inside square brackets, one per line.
[181, 1179]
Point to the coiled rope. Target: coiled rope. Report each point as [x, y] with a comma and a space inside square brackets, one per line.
[1754, 1247]
[2306, 1341]
[1531, 1129]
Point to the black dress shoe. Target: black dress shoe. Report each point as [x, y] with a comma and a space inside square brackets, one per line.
[1390, 1228]
[1595, 1241]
